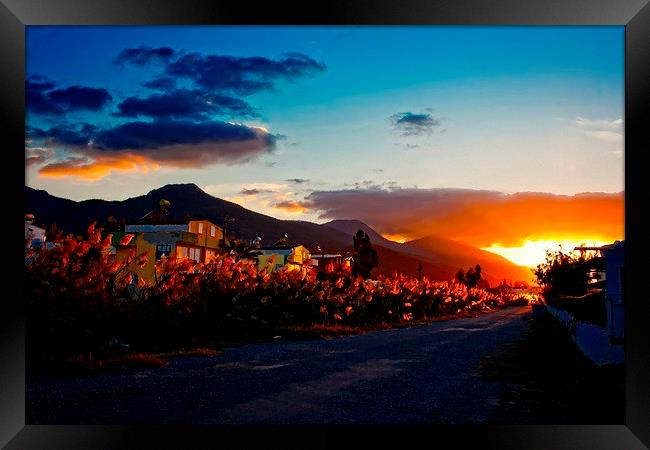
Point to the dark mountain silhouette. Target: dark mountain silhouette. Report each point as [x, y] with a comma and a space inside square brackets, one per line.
[452, 253]
[188, 201]
[440, 258]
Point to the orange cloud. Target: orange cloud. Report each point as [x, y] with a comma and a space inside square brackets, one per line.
[534, 216]
[292, 206]
[479, 218]
[98, 168]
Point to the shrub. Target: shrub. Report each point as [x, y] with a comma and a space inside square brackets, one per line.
[563, 274]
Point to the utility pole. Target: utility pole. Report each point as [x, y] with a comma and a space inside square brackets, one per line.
[226, 219]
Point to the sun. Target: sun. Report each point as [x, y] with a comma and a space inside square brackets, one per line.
[533, 252]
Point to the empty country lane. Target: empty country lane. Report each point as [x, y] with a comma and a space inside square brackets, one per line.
[422, 374]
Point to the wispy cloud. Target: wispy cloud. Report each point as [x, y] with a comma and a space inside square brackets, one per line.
[610, 131]
[298, 180]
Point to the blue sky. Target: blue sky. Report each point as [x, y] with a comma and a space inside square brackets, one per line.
[506, 109]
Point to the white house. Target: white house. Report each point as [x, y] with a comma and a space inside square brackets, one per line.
[34, 236]
[613, 277]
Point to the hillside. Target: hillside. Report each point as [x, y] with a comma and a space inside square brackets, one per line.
[187, 200]
[457, 254]
[441, 258]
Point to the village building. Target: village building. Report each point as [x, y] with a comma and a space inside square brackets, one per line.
[330, 262]
[284, 256]
[609, 268]
[157, 236]
[34, 236]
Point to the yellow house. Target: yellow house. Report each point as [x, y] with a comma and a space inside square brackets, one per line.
[289, 257]
[208, 235]
[137, 246]
[198, 240]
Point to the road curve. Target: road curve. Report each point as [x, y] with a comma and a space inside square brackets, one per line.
[422, 374]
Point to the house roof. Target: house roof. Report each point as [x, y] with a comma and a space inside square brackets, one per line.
[279, 247]
[604, 247]
[147, 227]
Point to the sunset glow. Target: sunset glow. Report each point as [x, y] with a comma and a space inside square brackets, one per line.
[99, 168]
[533, 253]
[395, 237]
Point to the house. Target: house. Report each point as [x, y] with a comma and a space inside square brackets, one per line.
[329, 262]
[137, 245]
[284, 256]
[34, 236]
[198, 240]
[610, 269]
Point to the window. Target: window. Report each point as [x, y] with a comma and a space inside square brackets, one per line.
[200, 228]
[213, 230]
[195, 254]
[181, 252]
[163, 249]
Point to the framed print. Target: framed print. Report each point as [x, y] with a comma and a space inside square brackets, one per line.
[395, 221]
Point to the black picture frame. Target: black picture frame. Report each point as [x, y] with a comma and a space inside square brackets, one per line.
[633, 14]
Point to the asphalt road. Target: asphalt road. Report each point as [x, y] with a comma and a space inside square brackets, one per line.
[422, 374]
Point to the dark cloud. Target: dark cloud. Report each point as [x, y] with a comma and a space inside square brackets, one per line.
[161, 84]
[298, 180]
[184, 103]
[255, 191]
[478, 217]
[43, 98]
[73, 135]
[410, 124]
[80, 97]
[36, 100]
[143, 55]
[163, 142]
[150, 135]
[243, 76]
[175, 126]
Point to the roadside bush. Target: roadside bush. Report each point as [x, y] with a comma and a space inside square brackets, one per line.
[563, 274]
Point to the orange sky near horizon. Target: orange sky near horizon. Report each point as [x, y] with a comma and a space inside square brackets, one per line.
[523, 226]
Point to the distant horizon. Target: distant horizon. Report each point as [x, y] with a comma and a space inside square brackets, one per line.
[323, 122]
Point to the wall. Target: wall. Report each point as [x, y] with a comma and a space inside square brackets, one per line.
[204, 237]
[614, 261]
[140, 245]
[592, 340]
[270, 261]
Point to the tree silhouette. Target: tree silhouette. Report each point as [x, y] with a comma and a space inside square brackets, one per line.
[365, 256]
[471, 278]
